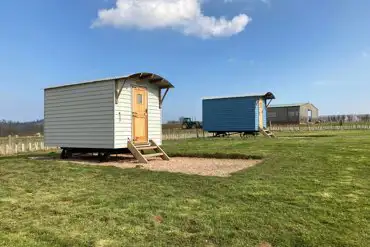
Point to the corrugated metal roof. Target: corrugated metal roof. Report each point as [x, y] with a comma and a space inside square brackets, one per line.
[267, 95]
[287, 105]
[152, 78]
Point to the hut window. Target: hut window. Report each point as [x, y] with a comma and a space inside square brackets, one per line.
[272, 114]
[139, 99]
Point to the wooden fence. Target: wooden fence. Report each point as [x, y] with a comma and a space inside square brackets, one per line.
[14, 145]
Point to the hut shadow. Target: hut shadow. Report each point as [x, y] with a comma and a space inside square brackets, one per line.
[309, 136]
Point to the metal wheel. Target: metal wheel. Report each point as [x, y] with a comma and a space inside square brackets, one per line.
[63, 154]
[104, 157]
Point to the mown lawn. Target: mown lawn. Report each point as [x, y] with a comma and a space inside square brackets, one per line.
[312, 190]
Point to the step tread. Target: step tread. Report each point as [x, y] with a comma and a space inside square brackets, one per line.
[142, 145]
[152, 155]
[146, 147]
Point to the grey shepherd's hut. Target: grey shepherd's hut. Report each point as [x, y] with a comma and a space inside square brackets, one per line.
[107, 116]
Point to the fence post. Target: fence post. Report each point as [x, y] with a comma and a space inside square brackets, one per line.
[10, 140]
[22, 147]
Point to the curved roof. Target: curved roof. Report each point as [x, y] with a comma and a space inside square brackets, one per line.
[152, 78]
[158, 80]
[267, 95]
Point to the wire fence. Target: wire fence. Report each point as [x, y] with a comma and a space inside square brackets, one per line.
[177, 134]
[320, 127]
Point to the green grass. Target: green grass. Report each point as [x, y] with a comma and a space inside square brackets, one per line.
[311, 190]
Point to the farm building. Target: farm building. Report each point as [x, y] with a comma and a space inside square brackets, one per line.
[106, 116]
[292, 113]
[243, 114]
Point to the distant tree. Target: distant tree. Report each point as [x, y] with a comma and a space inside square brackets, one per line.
[21, 128]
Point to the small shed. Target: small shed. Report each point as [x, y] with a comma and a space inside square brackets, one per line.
[105, 115]
[244, 113]
[292, 113]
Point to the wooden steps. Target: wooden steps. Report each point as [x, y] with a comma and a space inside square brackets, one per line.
[267, 133]
[137, 151]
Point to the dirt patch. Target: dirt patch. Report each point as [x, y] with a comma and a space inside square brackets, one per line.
[264, 244]
[200, 166]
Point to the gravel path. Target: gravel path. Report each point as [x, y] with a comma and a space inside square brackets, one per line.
[200, 166]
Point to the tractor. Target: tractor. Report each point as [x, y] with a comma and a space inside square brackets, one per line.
[188, 123]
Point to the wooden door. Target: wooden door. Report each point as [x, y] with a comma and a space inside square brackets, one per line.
[260, 115]
[140, 115]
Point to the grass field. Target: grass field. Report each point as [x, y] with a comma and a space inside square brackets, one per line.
[313, 189]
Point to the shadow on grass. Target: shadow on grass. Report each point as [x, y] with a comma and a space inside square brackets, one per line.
[307, 136]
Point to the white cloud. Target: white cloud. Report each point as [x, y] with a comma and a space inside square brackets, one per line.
[183, 15]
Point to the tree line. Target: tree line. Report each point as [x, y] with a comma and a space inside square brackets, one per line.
[21, 128]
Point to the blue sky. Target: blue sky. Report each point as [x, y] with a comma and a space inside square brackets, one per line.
[302, 50]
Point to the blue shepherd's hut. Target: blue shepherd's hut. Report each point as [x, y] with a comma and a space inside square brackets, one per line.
[244, 113]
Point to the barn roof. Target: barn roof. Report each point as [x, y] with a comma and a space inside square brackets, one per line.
[158, 80]
[267, 95]
[288, 105]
